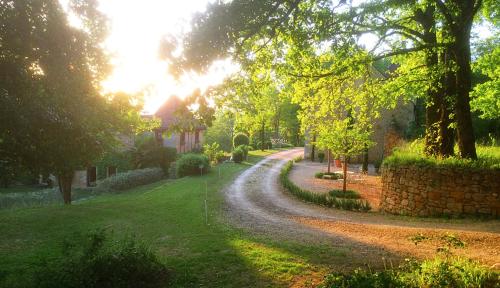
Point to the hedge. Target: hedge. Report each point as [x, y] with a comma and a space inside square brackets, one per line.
[130, 179]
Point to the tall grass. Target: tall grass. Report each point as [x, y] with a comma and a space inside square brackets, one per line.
[456, 272]
[328, 200]
[413, 154]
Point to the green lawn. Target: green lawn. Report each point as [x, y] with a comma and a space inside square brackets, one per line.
[169, 215]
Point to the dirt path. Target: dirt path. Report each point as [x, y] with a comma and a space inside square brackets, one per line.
[256, 201]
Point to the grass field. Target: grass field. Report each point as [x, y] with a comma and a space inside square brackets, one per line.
[169, 215]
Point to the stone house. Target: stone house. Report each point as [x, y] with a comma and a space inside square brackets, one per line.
[184, 141]
[388, 131]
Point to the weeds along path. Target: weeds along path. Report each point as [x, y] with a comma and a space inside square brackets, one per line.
[256, 202]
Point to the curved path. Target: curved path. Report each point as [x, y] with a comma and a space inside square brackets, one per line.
[257, 202]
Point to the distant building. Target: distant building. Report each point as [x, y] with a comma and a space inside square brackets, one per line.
[184, 141]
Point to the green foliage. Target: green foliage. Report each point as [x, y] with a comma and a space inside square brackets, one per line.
[103, 262]
[348, 194]
[53, 117]
[457, 272]
[129, 179]
[486, 95]
[240, 139]
[189, 164]
[122, 160]
[149, 153]
[321, 156]
[221, 131]
[321, 199]
[238, 154]
[333, 175]
[412, 154]
[213, 152]
[245, 149]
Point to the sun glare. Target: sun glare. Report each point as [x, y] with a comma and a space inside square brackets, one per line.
[136, 31]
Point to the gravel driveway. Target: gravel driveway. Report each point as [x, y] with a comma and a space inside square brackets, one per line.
[256, 202]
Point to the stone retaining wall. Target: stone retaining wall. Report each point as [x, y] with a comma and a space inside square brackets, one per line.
[426, 191]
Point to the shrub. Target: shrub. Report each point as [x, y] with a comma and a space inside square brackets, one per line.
[348, 194]
[321, 156]
[189, 164]
[212, 152]
[456, 272]
[245, 149]
[98, 262]
[240, 139]
[238, 155]
[149, 153]
[122, 160]
[334, 176]
[129, 179]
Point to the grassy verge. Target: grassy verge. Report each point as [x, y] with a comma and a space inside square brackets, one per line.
[169, 216]
[438, 272]
[412, 154]
[332, 199]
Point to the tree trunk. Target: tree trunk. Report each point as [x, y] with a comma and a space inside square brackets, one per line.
[329, 160]
[262, 144]
[313, 148]
[344, 169]
[447, 104]
[465, 133]
[65, 181]
[438, 135]
[365, 159]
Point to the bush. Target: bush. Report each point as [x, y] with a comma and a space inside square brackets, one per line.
[238, 155]
[240, 139]
[98, 262]
[189, 164]
[456, 272]
[245, 149]
[129, 179]
[149, 153]
[321, 156]
[334, 176]
[348, 194]
[213, 152]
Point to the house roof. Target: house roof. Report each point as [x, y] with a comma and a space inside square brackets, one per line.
[168, 112]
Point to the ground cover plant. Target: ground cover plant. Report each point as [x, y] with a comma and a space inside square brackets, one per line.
[332, 175]
[438, 272]
[413, 154]
[100, 261]
[168, 216]
[348, 194]
[329, 200]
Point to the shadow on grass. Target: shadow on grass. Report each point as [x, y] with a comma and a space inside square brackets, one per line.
[169, 216]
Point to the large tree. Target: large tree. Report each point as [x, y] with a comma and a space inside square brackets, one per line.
[53, 117]
[429, 38]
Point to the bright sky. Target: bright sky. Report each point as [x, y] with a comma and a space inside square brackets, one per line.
[137, 28]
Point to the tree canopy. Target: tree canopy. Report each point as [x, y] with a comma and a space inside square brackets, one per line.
[428, 41]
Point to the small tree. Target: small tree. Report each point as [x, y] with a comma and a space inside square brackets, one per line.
[346, 138]
[240, 139]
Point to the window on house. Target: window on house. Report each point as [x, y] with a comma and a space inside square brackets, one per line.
[158, 136]
[196, 137]
[91, 176]
[111, 171]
